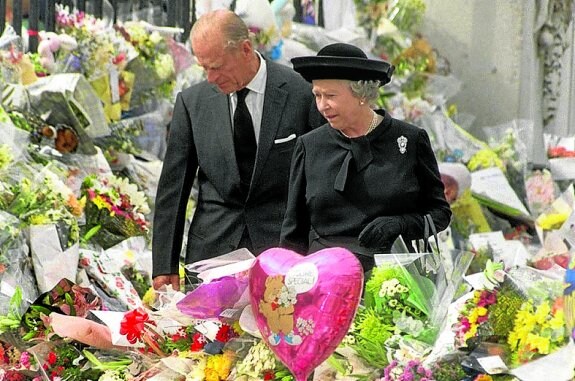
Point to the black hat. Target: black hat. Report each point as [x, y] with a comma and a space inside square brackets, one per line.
[342, 61]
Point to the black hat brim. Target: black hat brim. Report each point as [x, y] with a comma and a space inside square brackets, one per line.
[350, 68]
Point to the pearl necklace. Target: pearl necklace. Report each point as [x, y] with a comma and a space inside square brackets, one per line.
[374, 123]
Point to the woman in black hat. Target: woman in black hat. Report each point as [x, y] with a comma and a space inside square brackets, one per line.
[364, 178]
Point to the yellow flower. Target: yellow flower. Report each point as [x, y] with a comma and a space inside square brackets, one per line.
[39, 219]
[558, 321]
[485, 158]
[542, 312]
[481, 311]
[101, 203]
[552, 220]
[541, 344]
[473, 316]
[218, 367]
[476, 296]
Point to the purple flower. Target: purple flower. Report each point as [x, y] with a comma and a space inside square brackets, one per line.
[406, 376]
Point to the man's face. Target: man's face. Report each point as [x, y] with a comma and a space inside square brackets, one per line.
[225, 67]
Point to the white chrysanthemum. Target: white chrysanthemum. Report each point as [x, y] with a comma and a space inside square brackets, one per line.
[137, 198]
[111, 375]
[156, 38]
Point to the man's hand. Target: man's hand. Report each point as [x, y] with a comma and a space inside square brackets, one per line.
[161, 280]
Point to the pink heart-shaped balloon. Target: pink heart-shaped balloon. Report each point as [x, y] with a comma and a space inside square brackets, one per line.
[304, 305]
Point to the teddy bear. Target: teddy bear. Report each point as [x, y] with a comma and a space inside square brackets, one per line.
[50, 43]
[278, 309]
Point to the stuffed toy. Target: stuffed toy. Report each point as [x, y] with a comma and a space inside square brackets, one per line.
[50, 43]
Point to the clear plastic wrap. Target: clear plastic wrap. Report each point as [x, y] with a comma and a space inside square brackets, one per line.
[15, 264]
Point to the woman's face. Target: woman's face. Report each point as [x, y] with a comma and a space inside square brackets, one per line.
[336, 102]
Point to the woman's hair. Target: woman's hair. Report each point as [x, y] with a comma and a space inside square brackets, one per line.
[368, 90]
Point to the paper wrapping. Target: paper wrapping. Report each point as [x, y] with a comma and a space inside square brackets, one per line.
[51, 262]
[69, 99]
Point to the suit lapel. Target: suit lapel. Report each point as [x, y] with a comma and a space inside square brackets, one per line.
[274, 104]
[222, 133]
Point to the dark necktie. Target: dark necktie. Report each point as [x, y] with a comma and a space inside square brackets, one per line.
[244, 140]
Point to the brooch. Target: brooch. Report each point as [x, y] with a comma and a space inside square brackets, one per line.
[402, 144]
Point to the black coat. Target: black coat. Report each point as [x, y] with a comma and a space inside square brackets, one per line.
[339, 185]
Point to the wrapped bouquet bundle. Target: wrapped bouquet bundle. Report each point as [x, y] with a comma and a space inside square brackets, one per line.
[109, 269]
[154, 67]
[224, 289]
[65, 298]
[406, 301]
[520, 321]
[15, 267]
[510, 142]
[69, 99]
[115, 210]
[48, 209]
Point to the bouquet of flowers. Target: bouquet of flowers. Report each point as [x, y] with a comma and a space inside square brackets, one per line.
[59, 360]
[95, 49]
[474, 316]
[64, 298]
[540, 190]
[260, 363]
[413, 370]
[115, 210]
[154, 67]
[15, 268]
[539, 329]
[406, 302]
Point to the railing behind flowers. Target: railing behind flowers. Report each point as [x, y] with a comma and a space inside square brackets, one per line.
[41, 14]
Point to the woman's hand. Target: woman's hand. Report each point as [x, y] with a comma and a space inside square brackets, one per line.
[381, 232]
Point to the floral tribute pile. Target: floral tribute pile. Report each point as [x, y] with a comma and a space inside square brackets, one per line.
[83, 125]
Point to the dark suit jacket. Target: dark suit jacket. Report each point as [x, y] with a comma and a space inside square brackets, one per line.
[201, 143]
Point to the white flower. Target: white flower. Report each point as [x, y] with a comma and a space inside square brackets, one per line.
[287, 296]
[164, 66]
[305, 326]
[156, 38]
[111, 375]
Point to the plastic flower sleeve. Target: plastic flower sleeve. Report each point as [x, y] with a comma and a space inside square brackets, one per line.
[225, 285]
[431, 279]
[450, 141]
[511, 142]
[15, 266]
[52, 260]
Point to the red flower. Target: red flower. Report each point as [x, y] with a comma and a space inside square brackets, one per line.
[133, 324]
[224, 333]
[14, 375]
[198, 342]
[52, 358]
[269, 375]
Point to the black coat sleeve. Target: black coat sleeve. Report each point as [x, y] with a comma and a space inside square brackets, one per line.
[431, 199]
[296, 224]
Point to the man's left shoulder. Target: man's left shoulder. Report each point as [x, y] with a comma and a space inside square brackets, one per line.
[287, 74]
